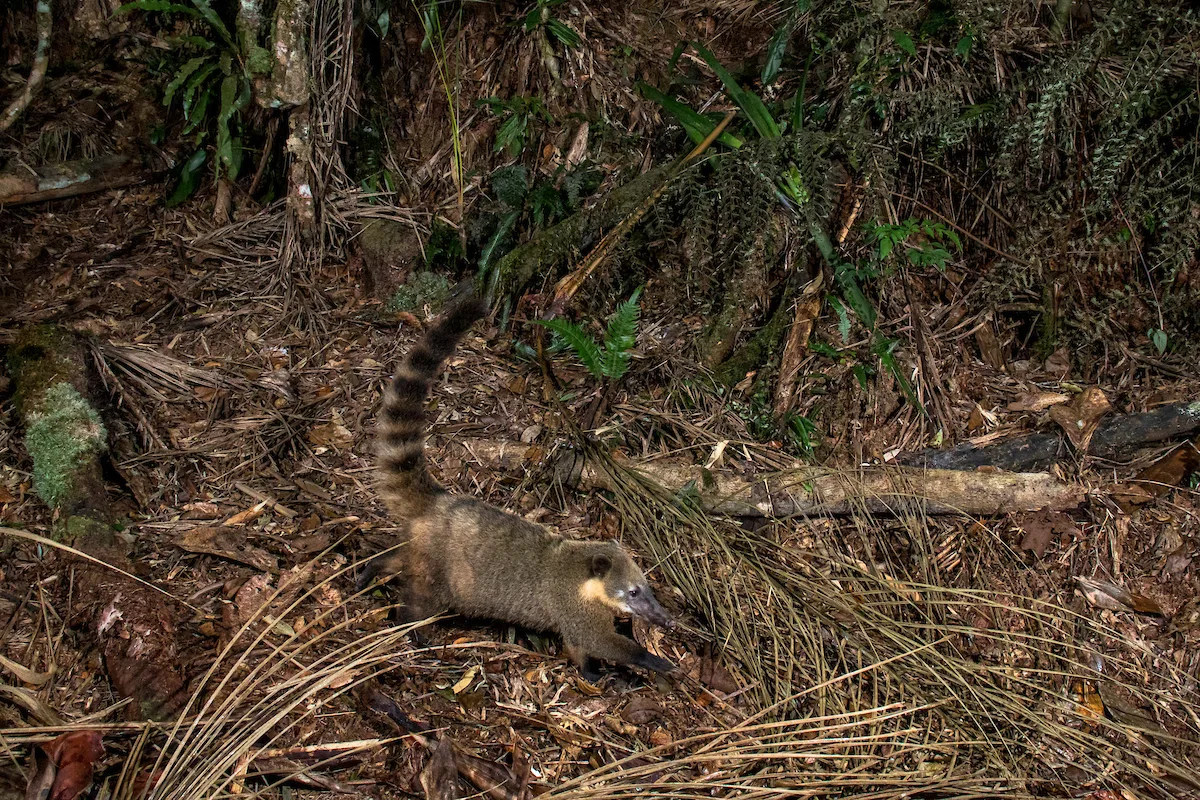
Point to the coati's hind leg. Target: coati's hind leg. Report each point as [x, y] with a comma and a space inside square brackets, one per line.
[412, 604]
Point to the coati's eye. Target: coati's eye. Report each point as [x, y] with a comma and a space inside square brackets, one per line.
[635, 591]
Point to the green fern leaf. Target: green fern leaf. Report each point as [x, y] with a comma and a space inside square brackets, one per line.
[621, 336]
[585, 348]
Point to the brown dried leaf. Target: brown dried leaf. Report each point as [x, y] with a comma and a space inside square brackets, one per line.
[1088, 703]
[1041, 527]
[1059, 363]
[989, 346]
[1103, 594]
[493, 780]
[75, 755]
[439, 779]
[227, 542]
[1038, 401]
[641, 710]
[1081, 416]
[1171, 470]
[332, 434]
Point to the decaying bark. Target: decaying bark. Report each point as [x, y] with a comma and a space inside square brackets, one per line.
[20, 184]
[66, 439]
[814, 490]
[1114, 438]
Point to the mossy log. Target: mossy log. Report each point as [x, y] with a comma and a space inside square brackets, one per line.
[66, 439]
[555, 245]
[63, 432]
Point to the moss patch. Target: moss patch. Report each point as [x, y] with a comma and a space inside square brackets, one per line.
[64, 433]
[420, 290]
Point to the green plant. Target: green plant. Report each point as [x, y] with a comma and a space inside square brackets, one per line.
[540, 17]
[610, 360]
[515, 115]
[930, 249]
[213, 87]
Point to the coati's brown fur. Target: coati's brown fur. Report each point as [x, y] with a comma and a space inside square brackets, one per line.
[464, 555]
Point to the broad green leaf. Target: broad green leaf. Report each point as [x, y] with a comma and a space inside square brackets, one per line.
[197, 81]
[963, 48]
[510, 136]
[189, 178]
[564, 33]
[843, 318]
[158, 5]
[214, 19]
[885, 247]
[1159, 339]
[383, 22]
[696, 125]
[905, 42]
[775, 52]
[182, 75]
[199, 111]
[750, 103]
[496, 239]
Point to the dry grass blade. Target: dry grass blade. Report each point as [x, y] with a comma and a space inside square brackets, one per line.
[988, 673]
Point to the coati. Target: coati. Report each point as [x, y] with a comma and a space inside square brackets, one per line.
[464, 555]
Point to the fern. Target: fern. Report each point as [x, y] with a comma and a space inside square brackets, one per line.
[586, 349]
[612, 360]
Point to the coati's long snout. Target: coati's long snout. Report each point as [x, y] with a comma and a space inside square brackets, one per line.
[463, 555]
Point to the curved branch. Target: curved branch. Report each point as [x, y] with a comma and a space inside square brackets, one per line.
[41, 59]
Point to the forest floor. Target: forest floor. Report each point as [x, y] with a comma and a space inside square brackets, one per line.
[216, 403]
[1028, 653]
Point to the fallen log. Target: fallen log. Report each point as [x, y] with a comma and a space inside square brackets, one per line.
[66, 439]
[1115, 437]
[807, 490]
[20, 185]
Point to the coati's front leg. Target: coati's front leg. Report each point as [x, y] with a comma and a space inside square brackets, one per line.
[598, 639]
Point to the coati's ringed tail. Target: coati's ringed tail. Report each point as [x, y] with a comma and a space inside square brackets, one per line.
[464, 555]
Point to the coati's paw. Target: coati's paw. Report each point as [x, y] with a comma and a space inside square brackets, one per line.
[653, 662]
[589, 674]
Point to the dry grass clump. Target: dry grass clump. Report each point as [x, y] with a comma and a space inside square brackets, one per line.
[1009, 691]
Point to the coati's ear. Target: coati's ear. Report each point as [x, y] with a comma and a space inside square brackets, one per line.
[601, 564]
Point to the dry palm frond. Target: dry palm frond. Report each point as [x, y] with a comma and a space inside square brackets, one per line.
[156, 373]
[994, 670]
[249, 702]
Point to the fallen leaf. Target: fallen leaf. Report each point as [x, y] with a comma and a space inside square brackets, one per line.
[715, 676]
[1088, 703]
[25, 674]
[439, 778]
[989, 346]
[1038, 401]
[1081, 416]
[465, 680]
[641, 710]
[75, 755]
[332, 434]
[1171, 470]
[242, 517]
[1040, 528]
[1059, 363]
[201, 510]
[1103, 594]
[227, 542]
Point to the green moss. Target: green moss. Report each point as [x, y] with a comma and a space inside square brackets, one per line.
[422, 289]
[40, 357]
[63, 433]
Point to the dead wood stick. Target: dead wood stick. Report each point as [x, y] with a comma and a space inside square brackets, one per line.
[20, 185]
[37, 72]
[1115, 437]
[814, 490]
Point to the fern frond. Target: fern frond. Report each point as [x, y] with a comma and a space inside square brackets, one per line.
[622, 326]
[585, 347]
